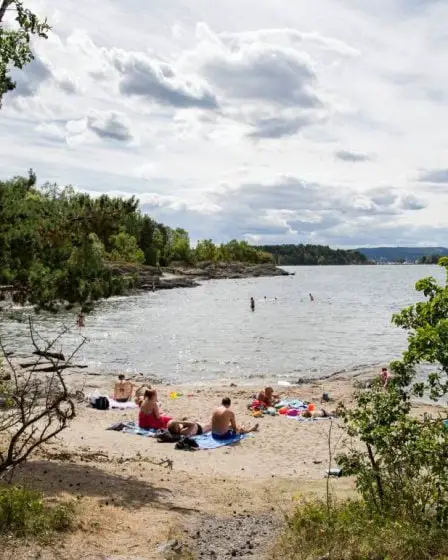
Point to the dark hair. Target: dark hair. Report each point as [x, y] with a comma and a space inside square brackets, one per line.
[121, 377]
[150, 394]
[226, 401]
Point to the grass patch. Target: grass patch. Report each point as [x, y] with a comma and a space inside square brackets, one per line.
[350, 531]
[23, 513]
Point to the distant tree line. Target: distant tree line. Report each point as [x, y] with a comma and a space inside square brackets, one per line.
[296, 255]
[429, 259]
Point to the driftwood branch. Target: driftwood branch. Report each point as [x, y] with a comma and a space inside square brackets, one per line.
[55, 355]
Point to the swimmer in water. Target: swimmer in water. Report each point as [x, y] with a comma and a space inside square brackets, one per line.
[252, 304]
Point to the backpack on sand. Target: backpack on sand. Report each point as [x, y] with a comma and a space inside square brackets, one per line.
[102, 403]
[164, 436]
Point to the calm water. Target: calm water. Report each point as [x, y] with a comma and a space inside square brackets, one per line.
[209, 333]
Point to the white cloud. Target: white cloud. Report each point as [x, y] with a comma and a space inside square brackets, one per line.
[199, 108]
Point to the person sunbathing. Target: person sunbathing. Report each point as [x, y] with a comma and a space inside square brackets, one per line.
[320, 413]
[224, 422]
[267, 397]
[187, 429]
[123, 389]
[150, 416]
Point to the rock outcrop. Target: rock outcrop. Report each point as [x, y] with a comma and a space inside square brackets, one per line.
[150, 278]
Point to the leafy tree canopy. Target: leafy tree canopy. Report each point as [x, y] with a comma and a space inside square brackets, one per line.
[15, 40]
[56, 244]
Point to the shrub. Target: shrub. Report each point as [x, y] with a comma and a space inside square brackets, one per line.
[349, 531]
[24, 513]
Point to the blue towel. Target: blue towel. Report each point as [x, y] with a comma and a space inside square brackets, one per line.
[132, 428]
[207, 441]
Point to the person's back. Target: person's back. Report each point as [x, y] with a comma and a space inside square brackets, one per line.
[123, 389]
[224, 422]
[223, 419]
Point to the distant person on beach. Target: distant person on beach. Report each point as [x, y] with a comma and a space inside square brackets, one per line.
[123, 389]
[252, 304]
[224, 422]
[385, 377]
[267, 398]
[150, 416]
[311, 297]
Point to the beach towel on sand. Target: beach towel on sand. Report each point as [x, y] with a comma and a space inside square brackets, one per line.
[207, 441]
[132, 428]
[292, 403]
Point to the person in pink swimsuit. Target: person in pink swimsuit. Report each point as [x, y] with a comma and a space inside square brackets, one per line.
[150, 416]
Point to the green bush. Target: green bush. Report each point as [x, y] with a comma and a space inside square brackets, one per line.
[349, 531]
[24, 513]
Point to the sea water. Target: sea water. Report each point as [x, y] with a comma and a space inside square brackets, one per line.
[209, 333]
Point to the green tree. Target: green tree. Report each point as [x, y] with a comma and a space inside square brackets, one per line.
[158, 243]
[403, 469]
[206, 251]
[15, 48]
[125, 248]
[180, 248]
[48, 251]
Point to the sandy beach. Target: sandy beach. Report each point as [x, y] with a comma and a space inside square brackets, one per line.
[134, 494]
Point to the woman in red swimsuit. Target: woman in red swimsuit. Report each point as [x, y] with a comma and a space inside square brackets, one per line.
[150, 416]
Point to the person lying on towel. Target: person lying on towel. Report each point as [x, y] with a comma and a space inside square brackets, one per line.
[224, 422]
[187, 429]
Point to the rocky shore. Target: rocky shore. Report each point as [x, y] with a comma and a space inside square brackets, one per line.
[147, 278]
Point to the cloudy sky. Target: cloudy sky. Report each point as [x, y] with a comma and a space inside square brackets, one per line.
[323, 121]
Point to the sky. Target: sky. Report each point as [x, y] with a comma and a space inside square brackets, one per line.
[323, 121]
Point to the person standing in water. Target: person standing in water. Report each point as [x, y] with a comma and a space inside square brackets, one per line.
[252, 304]
[311, 297]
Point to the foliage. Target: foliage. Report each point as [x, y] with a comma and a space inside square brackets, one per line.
[125, 248]
[401, 467]
[15, 50]
[50, 244]
[24, 513]
[402, 470]
[429, 259]
[352, 532]
[233, 251]
[427, 326]
[313, 255]
[55, 243]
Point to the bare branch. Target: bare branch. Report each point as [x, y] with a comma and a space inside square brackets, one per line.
[41, 405]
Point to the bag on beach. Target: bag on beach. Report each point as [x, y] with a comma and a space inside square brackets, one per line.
[102, 403]
[165, 436]
[187, 444]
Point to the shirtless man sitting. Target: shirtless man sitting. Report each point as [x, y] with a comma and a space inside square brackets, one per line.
[267, 397]
[123, 389]
[224, 422]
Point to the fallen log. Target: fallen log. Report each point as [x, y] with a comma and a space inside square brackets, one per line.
[54, 355]
[58, 368]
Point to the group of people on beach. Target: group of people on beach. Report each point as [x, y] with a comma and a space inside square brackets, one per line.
[223, 423]
[150, 417]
